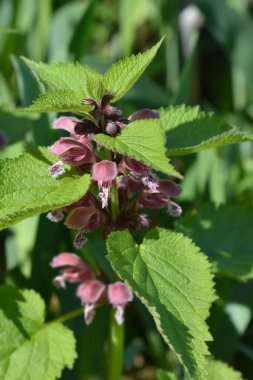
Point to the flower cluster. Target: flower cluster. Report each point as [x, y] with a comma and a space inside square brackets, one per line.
[137, 185]
[91, 291]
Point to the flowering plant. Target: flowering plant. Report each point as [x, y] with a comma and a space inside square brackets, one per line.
[109, 175]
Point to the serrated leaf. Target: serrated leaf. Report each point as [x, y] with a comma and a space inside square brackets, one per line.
[190, 130]
[26, 188]
[31, 349]
[64, 76]
[59, 101]
[164, 375]
[218, 370]
[172, 278]
[224, 235]
[123, 74]
[143, 140]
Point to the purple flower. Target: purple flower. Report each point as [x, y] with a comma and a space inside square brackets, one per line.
[119, 294]
[72, 151]
[138, 171]
[160, 197]
[74, 269]
[91, 294]
[104, 173]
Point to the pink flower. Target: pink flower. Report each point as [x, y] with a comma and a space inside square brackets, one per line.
[91, 294]
[85, 218]
[104, 173]
[73, 152]
[119, 294]
[66, 123]
[74, 269]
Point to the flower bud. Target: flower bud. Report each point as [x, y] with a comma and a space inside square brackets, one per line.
[144, 114]
[111, 128]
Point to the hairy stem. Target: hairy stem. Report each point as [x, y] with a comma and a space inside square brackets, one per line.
[115, 349]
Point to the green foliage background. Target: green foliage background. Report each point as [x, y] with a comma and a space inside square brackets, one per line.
[212, 68]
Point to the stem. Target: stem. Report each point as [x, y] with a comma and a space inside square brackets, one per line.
[65, 317]
[115, 204]
[115, 349]
[116, 332]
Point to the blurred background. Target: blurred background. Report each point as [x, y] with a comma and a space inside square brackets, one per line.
[206, 59]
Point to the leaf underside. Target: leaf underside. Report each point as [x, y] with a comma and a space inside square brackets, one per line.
[190, 130]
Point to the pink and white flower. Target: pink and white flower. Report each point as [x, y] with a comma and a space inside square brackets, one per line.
[104, 173]
[74, 269]
[91, 294]
[119, 295]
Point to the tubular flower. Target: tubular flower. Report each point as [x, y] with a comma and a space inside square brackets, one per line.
[91, 294]
[119, 295]
[73, 152]
[104, 173]
[139, 171]
[160, 197]
[85, 218]
[74, 269]
[66, 123]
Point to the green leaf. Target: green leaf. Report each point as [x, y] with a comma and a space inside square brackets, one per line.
[31, 349]
[218, 370]
[26, 188]
[63, 76]
[164, 375]
[123, 74]
[59, 101]
[143, 140]
[172, 278]
[72, 82]
[190, 130]
[224, 235]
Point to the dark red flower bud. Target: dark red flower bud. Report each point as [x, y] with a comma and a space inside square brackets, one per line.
[144, 114]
